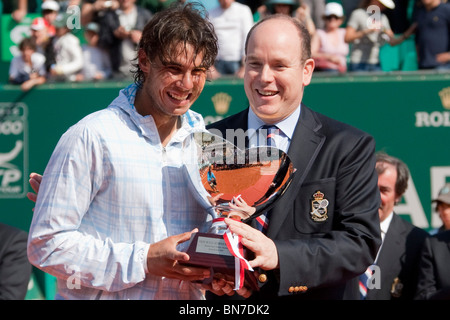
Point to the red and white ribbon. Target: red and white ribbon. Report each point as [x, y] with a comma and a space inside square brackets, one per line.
[235, 246]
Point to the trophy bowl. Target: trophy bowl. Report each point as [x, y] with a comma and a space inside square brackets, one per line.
[240, 184]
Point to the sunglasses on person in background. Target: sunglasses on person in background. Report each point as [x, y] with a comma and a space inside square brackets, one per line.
[331, 17]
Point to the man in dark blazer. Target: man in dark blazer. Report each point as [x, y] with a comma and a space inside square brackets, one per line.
[305, 255]
[434, 275]
[398, 258]
[15, 270]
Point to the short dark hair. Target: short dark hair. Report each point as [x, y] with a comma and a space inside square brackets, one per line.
[185, 24]
[305, 37]
[402, 170]
[27, 43]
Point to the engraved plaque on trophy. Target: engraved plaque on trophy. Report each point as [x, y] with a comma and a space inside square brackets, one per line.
[243, 184]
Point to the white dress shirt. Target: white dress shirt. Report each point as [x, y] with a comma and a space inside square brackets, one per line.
[286, 126]
[384, 226]
[109, 191]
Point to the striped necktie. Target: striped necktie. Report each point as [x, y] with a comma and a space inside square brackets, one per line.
[363, 281]
[269, 131]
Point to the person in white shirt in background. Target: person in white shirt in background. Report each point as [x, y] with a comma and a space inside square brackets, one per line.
[67, 51]
[96, 64]
[232, 21]
[28, 68]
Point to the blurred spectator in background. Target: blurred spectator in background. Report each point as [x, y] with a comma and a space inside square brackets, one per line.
[40, 35]
[368, 29]
[400, 18]
[96, 64]
[317, 10]
[68, 56]
[18, 8]
[50, 10]
[64, 4]
[28, 68]
[252, 4]
[43, 41]
[93, 10]
[232, 21]
[349, 6]
[400, 57]
[434, 276]
[155, 5]
[433, 34]
[15, 270]
[279, 6]
[443, 208]
[294, 8]
[121, 31]
[329, 49]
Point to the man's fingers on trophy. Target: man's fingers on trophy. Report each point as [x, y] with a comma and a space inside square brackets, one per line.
[210, 287]
[250, 244]
[178, 256]
[185, 236]
[213, 200]
[223, 286]
[217, 285]
[266, 260]
[239, 201]
[216, 288]
[258, 262]
[244, 292]
[192, 273]
[172, 252]
[238, 227]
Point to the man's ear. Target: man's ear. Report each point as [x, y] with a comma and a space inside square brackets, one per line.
[308, 70]
[144, 63]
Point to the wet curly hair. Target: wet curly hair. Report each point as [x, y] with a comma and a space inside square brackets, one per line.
[185, 24]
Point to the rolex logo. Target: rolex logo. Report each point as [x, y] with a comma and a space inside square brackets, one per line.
[222, 101]
[436, 118]
[445, 97]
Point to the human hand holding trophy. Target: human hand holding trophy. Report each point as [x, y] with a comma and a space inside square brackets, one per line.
[242, 185]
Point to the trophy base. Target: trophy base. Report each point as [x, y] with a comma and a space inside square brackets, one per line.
[208, 250]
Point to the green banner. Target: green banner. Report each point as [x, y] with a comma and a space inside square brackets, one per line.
[13, 152]
[13, 33]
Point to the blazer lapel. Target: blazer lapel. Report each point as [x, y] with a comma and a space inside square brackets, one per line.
[391, 247]
[303, 150]
[231, 124]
